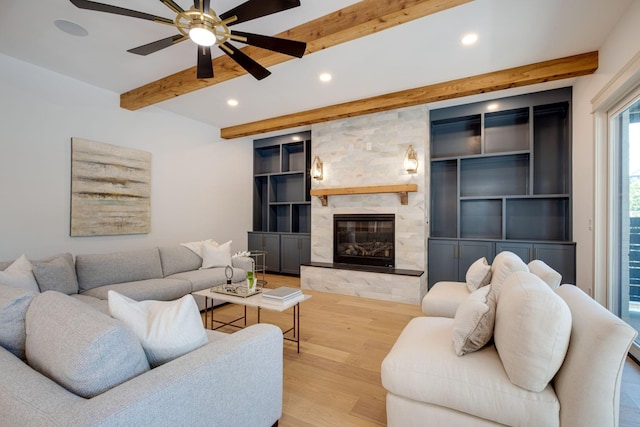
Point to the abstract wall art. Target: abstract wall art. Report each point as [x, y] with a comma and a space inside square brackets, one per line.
[110, 189]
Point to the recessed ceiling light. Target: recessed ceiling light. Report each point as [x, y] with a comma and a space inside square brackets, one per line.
[296, 138]
[469, 39]
[492, 107]
[325, 77]
[70, 28]
[232, 102]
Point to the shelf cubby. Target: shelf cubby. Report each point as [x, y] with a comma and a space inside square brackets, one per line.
[261, 199]
[538, 219]
[506, 131]
[481, 219]
[293, 157]
[444, 198]
[495, 175]
[301, 218]
[551, 163]
[266, 160]
[280, 218]
[457, 136]
[287, 188]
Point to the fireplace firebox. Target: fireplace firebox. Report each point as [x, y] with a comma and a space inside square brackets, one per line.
[364, 239]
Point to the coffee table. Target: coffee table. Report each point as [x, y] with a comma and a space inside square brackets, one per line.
[254, 301]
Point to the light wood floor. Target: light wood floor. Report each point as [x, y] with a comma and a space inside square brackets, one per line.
[335, 380]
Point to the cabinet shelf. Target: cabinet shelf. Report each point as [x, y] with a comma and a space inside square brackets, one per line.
[503, 174]
[281, 200]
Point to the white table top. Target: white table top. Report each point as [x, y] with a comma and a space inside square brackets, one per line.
[254, 300]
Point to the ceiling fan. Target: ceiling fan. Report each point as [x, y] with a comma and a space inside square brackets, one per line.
[203, 26]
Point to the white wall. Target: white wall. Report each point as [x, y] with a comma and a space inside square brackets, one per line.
[620, 46]
[201, 185]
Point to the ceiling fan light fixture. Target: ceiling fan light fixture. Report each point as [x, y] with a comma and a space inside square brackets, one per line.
[201, 35]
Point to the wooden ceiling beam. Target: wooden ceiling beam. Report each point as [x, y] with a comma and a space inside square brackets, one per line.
[556, 69]
[358, 20]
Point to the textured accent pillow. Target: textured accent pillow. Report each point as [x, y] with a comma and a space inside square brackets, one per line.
[20, 275]
[216, 256]
[166, 329]
[478, 274]
[56, 274]
[86, 352]
[504, 264]
[13, 308]
[546, 273]
[473, 323]
[532, 331]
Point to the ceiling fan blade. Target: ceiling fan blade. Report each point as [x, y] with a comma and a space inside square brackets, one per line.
[157, 45]
[286, 46]
[100, 7]
[252, 67]
[253, 9]
[205, 67]
[173, 6]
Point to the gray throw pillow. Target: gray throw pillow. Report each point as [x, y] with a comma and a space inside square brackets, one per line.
[81, 349]
[13, 307]
[56, 274]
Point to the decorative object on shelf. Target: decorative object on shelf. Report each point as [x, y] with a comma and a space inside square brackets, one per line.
[228, 273]
[205, 28]
[316, 168]
[110, 189]
[411, 160]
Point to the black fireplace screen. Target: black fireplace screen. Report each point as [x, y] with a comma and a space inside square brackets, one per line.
[364, 239]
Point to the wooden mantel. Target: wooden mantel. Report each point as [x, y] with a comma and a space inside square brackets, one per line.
[403, 191]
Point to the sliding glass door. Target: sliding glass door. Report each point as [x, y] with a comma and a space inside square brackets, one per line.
[625, 137]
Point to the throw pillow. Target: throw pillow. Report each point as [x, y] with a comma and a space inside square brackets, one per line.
[13, 308]
[196, 247]
[83, 350]
[504, 264]
[216, 256]
[473, 323]
[532, 331]
[166, 329]
[56, 274]
[546, 273]
[478, 274]
[20, 275]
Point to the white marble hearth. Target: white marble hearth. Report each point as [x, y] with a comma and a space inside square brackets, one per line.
[407, 289]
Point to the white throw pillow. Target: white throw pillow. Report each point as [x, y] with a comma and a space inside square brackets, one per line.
[166, 329]
[546, 273]
[216, 256]
[473, 323]
[532, 331]
[478, 274]
[20, 275]
[504, 264]
[196, 247]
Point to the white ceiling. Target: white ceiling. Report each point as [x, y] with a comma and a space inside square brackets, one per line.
[421, 52]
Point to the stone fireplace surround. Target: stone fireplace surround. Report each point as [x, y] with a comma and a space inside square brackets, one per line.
[368, 151]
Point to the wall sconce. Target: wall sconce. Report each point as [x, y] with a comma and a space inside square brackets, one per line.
[411, 160]
[316, 168]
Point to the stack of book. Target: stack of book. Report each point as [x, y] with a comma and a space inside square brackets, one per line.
[282, 295]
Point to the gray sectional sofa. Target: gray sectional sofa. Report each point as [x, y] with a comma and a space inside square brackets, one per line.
[66, 362]
[159, 273]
